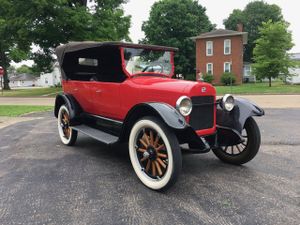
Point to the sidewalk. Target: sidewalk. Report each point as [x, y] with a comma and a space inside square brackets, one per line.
[27, 101]
[274, 101]
[264, 101]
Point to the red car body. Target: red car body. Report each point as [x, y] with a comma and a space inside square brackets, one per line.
[94, 96]
[120, 92]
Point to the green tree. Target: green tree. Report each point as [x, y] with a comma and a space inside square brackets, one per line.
[14, 44]
[73, 21]
[25, 69]
[270, 54]
[11, 70]
[254, 14]
[173, 23]
[47, 24]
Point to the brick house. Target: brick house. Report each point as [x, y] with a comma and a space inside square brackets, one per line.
[221, 51]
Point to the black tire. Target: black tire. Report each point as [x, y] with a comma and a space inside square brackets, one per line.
[249, 151]
[153, 128]
[67, 135]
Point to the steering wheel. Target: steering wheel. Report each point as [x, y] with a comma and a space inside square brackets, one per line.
[151, 68]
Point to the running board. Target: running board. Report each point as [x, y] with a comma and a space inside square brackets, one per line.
[96, 134]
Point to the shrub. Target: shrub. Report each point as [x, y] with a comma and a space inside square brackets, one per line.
[228, 78]
[58, 85]
[208, 78]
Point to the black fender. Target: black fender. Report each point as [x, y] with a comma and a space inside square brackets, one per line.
[236, 118]
[230, 124]
[165, 112]
[72, 105]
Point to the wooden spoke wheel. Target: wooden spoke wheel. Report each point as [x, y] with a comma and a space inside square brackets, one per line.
[245, 151]
[154, 153]
[67, 135]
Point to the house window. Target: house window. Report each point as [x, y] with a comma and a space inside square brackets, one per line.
[209, 68]
[247, 70]
[227, 67]
[209, 48]
[227, 47]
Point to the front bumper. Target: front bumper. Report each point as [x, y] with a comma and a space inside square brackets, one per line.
[223, 136]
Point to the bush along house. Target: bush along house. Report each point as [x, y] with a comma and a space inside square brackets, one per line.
[221, 51]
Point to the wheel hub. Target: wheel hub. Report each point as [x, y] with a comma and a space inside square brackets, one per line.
[152, 153]
[154, 159]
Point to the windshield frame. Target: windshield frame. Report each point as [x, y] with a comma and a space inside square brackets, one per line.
[171, 74]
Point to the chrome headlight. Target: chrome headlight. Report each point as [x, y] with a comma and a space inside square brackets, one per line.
[228, 102]
[184, 105]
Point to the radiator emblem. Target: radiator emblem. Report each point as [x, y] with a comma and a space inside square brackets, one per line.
[203, 89]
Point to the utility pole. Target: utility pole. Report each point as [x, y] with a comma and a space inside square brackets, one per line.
[1, 76]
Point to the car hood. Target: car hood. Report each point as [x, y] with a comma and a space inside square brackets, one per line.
[168, 89]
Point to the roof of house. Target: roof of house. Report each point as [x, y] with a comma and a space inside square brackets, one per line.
[222, 33]
[23, 77]
[295, 56]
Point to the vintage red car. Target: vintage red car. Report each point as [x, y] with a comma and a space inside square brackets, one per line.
[120, 92]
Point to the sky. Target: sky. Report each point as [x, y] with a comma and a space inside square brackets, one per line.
[216, 10]
[140, 9]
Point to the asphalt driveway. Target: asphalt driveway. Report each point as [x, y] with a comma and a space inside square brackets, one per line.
[44, 182]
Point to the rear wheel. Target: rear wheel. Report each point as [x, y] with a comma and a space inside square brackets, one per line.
[67, 135]
[154, 153]
[245, 151]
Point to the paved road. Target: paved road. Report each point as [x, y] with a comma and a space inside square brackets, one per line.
[43, 182]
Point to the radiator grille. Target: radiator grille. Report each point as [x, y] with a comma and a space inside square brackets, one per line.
[202, 115]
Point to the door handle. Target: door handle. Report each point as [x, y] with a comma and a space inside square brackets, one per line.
[98, 91]
[75, 89]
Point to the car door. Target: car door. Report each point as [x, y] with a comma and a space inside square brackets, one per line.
[106, 99]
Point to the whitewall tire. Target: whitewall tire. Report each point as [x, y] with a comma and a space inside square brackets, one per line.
[67, 135]
[154, 153]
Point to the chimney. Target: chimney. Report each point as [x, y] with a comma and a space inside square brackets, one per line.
[240, 27]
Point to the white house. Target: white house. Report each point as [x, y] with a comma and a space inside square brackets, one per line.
[295, 71]
[23, 80]
[248, 76]
[50, 79]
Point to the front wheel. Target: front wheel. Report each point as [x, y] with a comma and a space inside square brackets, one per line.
[245, 151]
[154, 153]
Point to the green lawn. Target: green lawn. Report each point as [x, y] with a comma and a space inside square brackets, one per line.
[17, 110]
[32, 92]
[259, 88]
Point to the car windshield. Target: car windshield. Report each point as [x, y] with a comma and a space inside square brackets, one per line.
[147, 61]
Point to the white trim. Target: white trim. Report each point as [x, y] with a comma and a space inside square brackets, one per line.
[229, 67]
[211, 43]
[227, 41]
[212, 68]
[62, 136]
[155, 184]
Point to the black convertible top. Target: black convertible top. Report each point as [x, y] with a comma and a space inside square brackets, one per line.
[77, 46]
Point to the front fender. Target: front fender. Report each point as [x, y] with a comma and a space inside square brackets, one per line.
[165, 112]
[236, 119]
